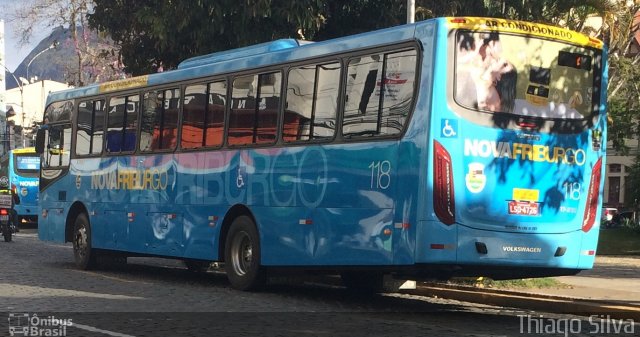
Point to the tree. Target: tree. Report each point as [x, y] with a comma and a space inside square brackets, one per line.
[621, 25]
[347, 17]
[90, 63]
[160, 34]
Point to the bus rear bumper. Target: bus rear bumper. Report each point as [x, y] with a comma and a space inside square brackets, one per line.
[512, 249]
[461, 245]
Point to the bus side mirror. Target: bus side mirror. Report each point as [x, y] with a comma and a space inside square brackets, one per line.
[40, 141]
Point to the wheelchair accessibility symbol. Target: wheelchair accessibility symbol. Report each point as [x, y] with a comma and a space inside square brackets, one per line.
[449, 128]
[240, 179]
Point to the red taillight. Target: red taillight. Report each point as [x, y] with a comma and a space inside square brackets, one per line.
[593, 197]
[3, 211]
[443, 196]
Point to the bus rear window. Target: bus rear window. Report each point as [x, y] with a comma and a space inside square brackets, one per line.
[523, 75]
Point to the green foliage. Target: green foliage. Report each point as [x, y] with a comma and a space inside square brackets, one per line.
[632, 183]
[632, 225]
[619, 241]
[528, 283]
[161, 33]
[624, 77]
[156, 34]
[346, 17]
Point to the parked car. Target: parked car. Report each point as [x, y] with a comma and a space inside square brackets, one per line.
[621, 217]
[607, 216]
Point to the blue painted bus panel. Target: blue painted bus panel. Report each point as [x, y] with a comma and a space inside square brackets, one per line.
[145, 198]
[349, 203]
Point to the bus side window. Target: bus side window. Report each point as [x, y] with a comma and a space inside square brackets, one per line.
[122, 123]
[361, 108]
[131, 124]
[380, 91]
[312, 97]
[214, 123]
[169, 122]
[159, 122]
[150, 121]
[194, 104]
[57, 145]
[115, 122]
[203, 115]
[268, 107]
[254, 109]
[90, 126]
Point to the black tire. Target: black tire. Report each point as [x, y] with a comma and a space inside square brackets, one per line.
[242, 255]
[197, 266]
[363, 282]
[6, 232]
[85, 256]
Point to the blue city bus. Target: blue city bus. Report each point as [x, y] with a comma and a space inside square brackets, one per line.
[448, 147]
[20, 172]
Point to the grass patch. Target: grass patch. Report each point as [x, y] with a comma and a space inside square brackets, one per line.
[528, 283]
[619, 241]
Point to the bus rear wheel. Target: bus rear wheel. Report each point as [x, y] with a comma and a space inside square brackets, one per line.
[242, 255]
[84, 254]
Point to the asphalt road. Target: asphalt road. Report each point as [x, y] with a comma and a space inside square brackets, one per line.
[41, 290]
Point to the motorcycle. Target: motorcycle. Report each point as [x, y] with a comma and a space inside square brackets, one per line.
[7, 224]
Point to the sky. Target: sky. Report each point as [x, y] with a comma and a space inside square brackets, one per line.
[15, 53]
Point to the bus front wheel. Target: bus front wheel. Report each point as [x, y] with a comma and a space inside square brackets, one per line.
[242, 255]
[84, 255]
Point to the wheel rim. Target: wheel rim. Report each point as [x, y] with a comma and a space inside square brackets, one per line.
[242, 253]
[80, 242]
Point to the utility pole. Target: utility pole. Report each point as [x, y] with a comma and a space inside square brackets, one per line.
[52, 46]
[3, 106]
[411, 11]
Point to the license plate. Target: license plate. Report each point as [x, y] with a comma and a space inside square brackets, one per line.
[4, 218]
[524, 208]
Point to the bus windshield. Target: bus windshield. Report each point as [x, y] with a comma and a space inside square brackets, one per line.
[524, 75]
[27, 165]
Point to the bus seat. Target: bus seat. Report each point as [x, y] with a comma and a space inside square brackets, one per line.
[114, 140]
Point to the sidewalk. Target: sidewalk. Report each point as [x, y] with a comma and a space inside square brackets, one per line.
[613, 278]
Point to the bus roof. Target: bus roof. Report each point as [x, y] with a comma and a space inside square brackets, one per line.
[248, 58]
[241, 52]
[287, 50]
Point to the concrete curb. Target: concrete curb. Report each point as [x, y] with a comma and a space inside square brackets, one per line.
[545, 303]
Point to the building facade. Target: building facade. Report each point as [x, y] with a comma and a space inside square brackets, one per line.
[25, 106]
